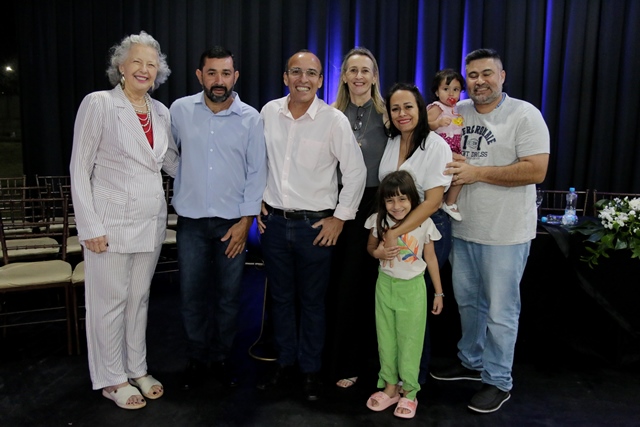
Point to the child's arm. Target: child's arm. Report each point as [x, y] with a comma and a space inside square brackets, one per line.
[432, 117]
[377, 250]
[430, 258]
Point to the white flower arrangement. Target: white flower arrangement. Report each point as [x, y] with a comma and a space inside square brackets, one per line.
[619, 228]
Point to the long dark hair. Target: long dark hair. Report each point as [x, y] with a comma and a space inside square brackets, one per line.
[421, 130]
[397, 183]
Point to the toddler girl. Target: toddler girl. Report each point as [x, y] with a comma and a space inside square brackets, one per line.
[446, 122]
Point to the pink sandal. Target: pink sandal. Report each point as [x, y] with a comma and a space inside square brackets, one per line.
[405, 403]
[384, 401]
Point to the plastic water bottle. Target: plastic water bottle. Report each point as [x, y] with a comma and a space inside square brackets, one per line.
[570, 217]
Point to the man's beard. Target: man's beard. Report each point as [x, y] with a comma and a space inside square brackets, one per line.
[218, 98]
[484, 99]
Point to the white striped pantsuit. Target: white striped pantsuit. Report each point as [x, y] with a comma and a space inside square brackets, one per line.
[117, 289]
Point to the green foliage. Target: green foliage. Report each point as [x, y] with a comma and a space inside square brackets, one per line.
[618, 229]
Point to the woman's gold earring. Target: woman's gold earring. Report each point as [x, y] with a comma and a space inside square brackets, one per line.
[122, 81]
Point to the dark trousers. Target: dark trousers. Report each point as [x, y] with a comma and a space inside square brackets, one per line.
[210, 284]
[298, 275]
[442, 248]
[351, 348]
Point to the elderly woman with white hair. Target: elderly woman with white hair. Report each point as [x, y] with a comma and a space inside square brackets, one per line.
[122, 141]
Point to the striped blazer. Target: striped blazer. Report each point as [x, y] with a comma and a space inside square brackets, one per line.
[116, 179]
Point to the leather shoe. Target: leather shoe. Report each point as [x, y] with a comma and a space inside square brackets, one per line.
[225, 372]
[311, 387]
[194, 374]
[275, 377]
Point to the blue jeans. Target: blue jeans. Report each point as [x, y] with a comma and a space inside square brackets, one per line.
[486, 283]
[210, 287]
[442, 247]
[298, 274]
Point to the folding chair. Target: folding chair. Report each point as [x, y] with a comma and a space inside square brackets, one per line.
[35, 262]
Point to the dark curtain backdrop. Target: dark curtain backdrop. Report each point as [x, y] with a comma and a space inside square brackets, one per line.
[573, 59]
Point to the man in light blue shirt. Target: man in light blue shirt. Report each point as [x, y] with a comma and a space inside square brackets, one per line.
[217, 193]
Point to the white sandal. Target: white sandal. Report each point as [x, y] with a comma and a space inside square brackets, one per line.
[145, 384]
[347, 382]
[451, 210]
[122, 394]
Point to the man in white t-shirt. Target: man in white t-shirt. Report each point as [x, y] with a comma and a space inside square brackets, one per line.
[506, 145]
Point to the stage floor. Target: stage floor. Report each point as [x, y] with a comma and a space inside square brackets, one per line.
[40, 385]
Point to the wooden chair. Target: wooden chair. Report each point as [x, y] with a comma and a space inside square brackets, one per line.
[53, 183]
[172, 216]
[599, 195]
[555, 201]
[41, 265]
[168, 262]
[73, 244]
[11, 210]
[77, 287]
[52, 186]
[13, 181]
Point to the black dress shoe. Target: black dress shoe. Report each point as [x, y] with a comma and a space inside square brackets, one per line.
[275, 377]
[194, 374]
[311, 387]
[225, 372]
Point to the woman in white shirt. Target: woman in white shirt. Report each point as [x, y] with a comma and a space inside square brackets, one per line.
[413, 147]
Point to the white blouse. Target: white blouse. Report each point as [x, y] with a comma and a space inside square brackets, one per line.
[427, 166]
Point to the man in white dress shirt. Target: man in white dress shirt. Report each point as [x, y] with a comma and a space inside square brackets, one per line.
[304, 213]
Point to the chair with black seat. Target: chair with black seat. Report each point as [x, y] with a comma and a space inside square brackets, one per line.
[35, 261]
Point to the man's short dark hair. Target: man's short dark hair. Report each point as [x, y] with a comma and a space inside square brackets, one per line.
[216, 52]
[482, 54]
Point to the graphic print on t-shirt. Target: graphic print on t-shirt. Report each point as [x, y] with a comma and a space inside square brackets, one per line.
[475, 140]
[408, 248]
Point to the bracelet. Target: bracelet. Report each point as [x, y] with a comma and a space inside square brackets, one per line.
[439, 295]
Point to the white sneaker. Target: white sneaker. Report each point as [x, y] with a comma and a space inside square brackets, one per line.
[451, 210]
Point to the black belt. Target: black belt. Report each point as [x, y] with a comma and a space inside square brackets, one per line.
[300, 214]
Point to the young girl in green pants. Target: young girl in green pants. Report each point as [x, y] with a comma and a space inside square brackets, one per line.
[401, 300]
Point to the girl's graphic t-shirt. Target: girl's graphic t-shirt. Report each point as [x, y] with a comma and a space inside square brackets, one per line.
[409, 262]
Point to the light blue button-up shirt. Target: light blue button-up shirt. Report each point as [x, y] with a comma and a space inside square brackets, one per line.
[223, 166]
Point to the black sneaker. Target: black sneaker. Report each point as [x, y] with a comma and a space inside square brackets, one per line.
[276, 377]
[311, 387]
[225, 372]
[456, 372]
[194, 375]
[489, 399]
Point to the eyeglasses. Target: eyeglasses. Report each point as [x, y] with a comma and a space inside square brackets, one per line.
[297, 72]
[357, 125]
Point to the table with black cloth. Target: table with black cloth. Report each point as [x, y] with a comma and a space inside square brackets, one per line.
[573, 312]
